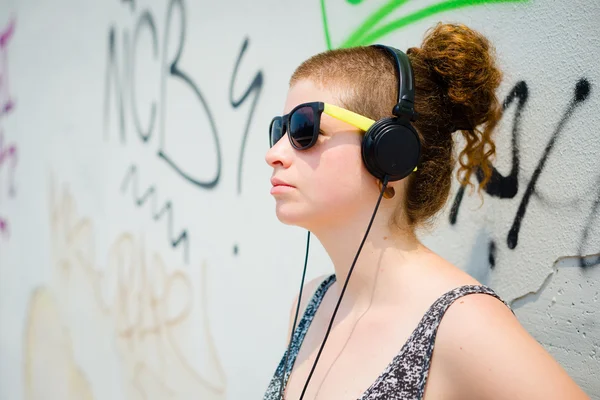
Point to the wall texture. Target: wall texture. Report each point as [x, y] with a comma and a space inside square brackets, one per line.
[140, 257]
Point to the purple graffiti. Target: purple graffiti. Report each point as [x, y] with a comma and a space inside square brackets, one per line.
[8, 151]
[4, 36]
[3, 227]
[6, 102]
[8, 154]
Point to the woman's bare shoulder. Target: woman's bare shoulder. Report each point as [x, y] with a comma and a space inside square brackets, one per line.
[484, 351]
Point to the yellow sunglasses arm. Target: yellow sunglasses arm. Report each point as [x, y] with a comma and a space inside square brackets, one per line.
[350, 117]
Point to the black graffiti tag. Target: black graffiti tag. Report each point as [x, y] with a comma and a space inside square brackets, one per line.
[582, 91]
[256, 88]
[170, 69]
[151, 195]
[176, 71]
[120, 88]
[507, 187]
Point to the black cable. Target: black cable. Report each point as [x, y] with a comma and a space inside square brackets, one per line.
[383, 187]
[287, 353]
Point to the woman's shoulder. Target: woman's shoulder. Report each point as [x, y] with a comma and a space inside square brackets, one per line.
[482, 348]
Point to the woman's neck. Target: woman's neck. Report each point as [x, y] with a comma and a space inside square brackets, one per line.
[386, 253]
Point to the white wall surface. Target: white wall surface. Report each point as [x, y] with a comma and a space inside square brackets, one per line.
[140, 256]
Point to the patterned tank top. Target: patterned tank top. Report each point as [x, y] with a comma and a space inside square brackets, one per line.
[406, 375]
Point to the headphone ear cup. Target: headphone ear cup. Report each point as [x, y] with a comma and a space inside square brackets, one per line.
[391, 147]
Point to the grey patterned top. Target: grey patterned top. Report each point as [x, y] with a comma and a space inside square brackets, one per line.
[406, 375]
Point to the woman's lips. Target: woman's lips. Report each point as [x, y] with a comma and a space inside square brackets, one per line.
[280, 186]
[278, 189]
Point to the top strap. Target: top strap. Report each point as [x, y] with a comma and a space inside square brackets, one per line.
[302, 328]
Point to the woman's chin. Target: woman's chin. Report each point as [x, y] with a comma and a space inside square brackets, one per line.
[291, 214]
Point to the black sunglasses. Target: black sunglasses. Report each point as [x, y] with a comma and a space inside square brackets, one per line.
[303, 123]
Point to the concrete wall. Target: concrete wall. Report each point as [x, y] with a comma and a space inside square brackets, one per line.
[140, 257]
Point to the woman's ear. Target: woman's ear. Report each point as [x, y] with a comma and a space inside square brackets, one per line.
[390, 191]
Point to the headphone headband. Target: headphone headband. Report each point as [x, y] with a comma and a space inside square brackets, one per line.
[391, 147]
[405, 107]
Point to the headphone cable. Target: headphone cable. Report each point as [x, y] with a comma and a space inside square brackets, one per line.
[383, 187]
[287, 353]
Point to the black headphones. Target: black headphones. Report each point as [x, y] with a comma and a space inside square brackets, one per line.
[391, 147]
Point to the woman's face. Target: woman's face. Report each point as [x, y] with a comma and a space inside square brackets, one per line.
[328, 183]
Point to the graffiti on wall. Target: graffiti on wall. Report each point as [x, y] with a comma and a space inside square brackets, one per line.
[8, 150]
[376, 25]
[158, 212]
[139, 314]
[121, 96]
[507, 187]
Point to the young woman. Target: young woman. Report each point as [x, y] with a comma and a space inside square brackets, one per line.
[401, 298]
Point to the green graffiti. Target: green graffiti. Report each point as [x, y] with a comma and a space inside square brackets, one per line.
[372, 20]
[354, 2]
[325, 25]
[368, 32]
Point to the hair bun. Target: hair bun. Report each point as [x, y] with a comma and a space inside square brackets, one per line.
[462, 62]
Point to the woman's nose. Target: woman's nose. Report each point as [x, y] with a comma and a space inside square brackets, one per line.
[281, 153]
